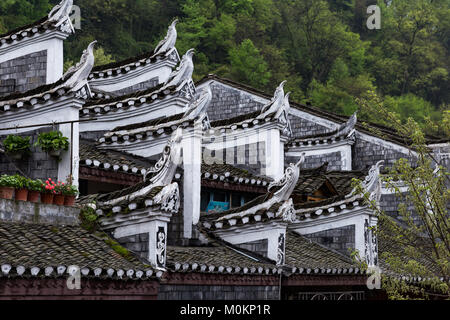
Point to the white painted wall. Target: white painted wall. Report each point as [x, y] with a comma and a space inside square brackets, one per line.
[133, 115]
[192, 147]
[344, 149]
[52, 42]
[259, 231]
[338, 220]
[133, 77]
[66, 109]
[273, 158]
[151, 228]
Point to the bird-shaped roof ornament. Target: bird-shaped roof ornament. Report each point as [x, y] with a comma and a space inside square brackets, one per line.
[200, 105]
[168, 43]
[60, 14]
[276, 103]
[77, 75]
[183, 74]
[347, 127]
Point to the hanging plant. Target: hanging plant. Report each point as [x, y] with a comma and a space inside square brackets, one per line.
[53, 142]
[16, 146]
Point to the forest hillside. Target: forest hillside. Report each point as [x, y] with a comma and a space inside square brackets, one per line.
[322, 47]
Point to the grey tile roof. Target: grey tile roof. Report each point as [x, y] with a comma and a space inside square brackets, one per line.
[144, 130]
[122, 67]
[135, 99]
[112, 160]
[218, 256]
[305, 256]
[45, 250]
[40, 26]
[227, 173]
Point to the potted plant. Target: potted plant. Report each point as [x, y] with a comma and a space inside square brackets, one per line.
[48, 191]
[58, 198]
[34, 189]
[16, 146]
[53, 143]
[21, 186]
[70, 192]
[7, 185]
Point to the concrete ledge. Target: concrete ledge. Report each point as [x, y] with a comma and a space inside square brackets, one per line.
[28, 212]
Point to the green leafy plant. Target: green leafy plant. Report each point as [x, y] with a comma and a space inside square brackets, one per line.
[8, 181]
[52, 141]
[35, 185]
[17, 144]
[70, 190]
[20, 182]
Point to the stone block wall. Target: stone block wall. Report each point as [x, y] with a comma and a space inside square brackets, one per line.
[229, 102]
[250, 156]
[204, 292]
[302, 127]
[137, 243]
[259, 246]
[39, 165]
[366, 154]
[28, 212]
[334, 161]
[175, 225]
[28, 72]
[138, 87]
[339, 239]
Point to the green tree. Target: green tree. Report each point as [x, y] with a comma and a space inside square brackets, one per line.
[417, 242]
[248, 65]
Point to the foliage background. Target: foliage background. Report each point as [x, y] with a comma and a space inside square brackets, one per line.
[322, 47]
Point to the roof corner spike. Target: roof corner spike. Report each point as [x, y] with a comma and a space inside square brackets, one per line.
[183, 74]
[288, 181]
[167, 165]
[61, 14]
[372, 182]
[200, 105]
[168, 43]
[276, 103]
[346, 128]
[77, 75]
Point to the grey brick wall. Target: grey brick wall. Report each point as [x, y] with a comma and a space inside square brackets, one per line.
[39, 165]
[302, 127]
[175, 226]
[250, 156]
[28, 72]
[138, 87]
[229, 102]
[339, 239]
[260, 246]
[366, 154]
[137, 243]
[92, 135]
[191, 292]
[334, 161]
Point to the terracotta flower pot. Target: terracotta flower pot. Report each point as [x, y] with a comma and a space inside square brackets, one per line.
[6, 192]
[47, 198]
[21, 194]
[58, 199]
[69, 200]
[33, 196]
